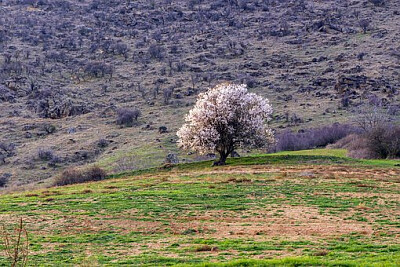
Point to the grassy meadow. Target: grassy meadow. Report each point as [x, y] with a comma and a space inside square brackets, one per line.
[307, 208]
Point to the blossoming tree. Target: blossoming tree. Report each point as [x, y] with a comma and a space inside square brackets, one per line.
[224, 118]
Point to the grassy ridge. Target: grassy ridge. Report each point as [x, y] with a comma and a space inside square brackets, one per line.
[312, 156]
[319, 208]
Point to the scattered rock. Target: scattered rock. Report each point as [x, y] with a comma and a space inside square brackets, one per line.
[211, 156]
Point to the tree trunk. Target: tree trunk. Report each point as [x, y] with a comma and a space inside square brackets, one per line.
[222, 158]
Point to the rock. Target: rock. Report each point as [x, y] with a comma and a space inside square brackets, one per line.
[234, 154]
[71, 130]
[211, 155]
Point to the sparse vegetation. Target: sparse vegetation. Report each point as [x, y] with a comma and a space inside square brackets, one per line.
[72, 65]
[128, 117]
[46, 154]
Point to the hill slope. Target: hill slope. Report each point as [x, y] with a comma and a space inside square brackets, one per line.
[318, 209]
[68, 65]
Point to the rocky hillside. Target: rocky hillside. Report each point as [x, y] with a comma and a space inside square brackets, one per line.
[68, 67]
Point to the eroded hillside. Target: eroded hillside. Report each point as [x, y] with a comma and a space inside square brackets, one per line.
[67, 66]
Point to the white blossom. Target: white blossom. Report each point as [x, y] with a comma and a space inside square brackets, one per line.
[224, 118]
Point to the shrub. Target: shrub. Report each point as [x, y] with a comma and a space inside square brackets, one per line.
[46, 154]
[49, 128]
[75, 176]
[384, 141]
[364, 24]
[102, 143]
[128, 117]
[156, 51]
[378, 2]
[379, 142]
[54, 161]
[312, 138]
[167, 94]
[7, 149]
[4, 179]
[356, 146]
[16, 244]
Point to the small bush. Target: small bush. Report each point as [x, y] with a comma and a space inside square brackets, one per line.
[7, 148]
[128, 117]
[76, 176]
[378, 2]
[54, 161]
[49, 128]
[46, 154]
[4, 179]
[102, 143]
[95, 174]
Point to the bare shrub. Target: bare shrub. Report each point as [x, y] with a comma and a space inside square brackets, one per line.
[364, 24]
[156, 51]
[167, 94]
[380, 142]
[370, 117]
[98, 69]
[128, 117]
[312, 138]
[380, 133]
[6, 150]
[75, 176]
[102, 143]
[378, 2]
[356, 146]
[45, 154]
[55, 104]
[345, 142]
[362, 153]
[49, 128]
[95, 173]
[16, 244]
[384, 141]
[4, 179]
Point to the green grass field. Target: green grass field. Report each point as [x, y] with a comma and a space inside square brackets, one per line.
[305, 208]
